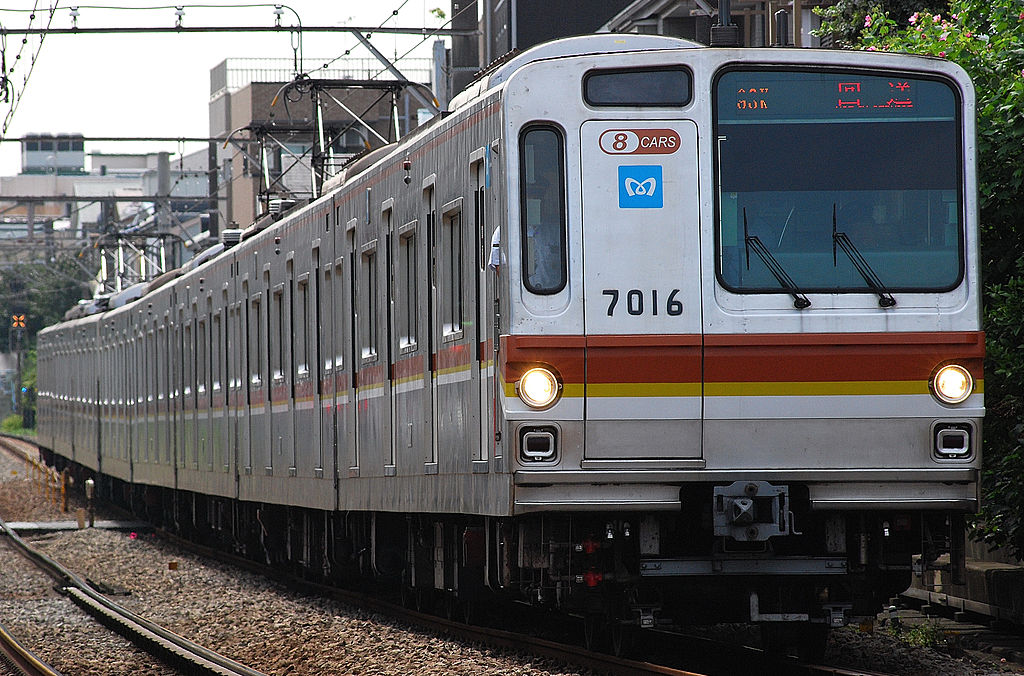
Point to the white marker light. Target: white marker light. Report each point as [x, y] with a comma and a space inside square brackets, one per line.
[952, 384]
[538, 388]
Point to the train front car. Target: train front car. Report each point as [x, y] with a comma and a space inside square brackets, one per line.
[743, 363]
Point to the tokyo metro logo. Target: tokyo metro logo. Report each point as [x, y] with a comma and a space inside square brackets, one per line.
[640, 187]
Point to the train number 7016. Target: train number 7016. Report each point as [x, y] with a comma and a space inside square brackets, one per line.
[640, 302]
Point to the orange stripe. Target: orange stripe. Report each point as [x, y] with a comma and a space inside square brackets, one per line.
[838, 357]
[745, 358]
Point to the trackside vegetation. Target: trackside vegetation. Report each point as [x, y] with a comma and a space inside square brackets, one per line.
[986, 38]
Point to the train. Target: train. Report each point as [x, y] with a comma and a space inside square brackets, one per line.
[645, 331]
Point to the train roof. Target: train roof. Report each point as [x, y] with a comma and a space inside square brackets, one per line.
[596, 43]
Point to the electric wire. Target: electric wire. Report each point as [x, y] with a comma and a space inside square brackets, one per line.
[16, 100]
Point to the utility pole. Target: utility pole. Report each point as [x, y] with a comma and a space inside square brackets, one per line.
[17, 338]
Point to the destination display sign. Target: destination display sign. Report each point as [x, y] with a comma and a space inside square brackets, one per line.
[792, 96]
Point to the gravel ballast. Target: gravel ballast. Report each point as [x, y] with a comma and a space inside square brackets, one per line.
[277, 631]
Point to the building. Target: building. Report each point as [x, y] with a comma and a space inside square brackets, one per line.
[274, 151]
[692, 19]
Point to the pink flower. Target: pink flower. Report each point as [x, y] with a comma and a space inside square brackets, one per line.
[937, 18]
[872, 49]
[968, 34]
[913, 18]
[867, 21]
[943, 37]
[1021, 17]
[943, 54]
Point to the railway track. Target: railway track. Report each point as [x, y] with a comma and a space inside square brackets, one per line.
[176, 649]
[699, 657]
[21, 659]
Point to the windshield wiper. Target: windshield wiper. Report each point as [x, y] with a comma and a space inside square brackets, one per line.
[754, 242]
[871, 278]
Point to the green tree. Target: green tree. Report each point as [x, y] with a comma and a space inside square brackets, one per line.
[42, 292]
[844, 19]
[986, 38]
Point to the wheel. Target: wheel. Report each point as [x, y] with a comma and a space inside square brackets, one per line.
[467, 611]
[449, 606]
[408, 596]
[622, 636]
[423, 600]
[592, 630]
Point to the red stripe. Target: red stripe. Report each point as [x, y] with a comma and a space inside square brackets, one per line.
[838, 357]
[564, 353]
[822, 357]
[454, 356]
[409, 367]
[370, 375]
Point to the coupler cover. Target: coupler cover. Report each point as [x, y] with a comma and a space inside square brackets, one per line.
[750, 511]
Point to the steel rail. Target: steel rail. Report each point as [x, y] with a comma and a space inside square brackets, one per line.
[23, 660]
[198, 659]
[561, 652]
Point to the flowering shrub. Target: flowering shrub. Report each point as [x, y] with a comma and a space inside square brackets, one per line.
[986, 38]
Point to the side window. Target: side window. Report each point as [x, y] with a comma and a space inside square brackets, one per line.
[368, 304]
[255, 341]
[542, 209]
[277, 329]
[451, 275]
[339, 314]
[301, 328]
[407, 290]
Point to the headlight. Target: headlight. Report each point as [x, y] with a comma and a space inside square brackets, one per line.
[952, 384]
[538, 388]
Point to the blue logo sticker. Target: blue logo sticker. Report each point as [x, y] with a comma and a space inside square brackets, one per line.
[640, 187]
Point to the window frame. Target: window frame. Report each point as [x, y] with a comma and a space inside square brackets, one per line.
[637, 104]
[754, 68]
[559, 133]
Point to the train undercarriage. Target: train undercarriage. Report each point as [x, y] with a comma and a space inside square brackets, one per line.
[616, 571]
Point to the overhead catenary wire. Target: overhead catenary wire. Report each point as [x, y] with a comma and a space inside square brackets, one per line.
[16, 99]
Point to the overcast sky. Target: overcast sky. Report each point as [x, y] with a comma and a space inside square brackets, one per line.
[159, 84]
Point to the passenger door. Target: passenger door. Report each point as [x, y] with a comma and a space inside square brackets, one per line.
[641, 243]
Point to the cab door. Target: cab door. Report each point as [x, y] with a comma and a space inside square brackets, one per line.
[642, 291]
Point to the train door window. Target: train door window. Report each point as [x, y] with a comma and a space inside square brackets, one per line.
[188, 364]
[202, 347]
[165, 373]
[451, 271]
[408, 276]
[255, 333]
[327, 337]
[338, 295]
[368, 302]
[301, 329]
[161, 373]
[315, 337]
[542, 209]
[277, 330]
[151, 367]
[215, 355]
[479, 172]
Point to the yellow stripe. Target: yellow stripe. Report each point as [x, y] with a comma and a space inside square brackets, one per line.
[568, 390]
[785, 389]
[643, 390]
[453, 369]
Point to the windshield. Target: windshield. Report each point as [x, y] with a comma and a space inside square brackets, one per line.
[803, 155]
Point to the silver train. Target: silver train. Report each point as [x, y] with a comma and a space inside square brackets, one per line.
[647, 331]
